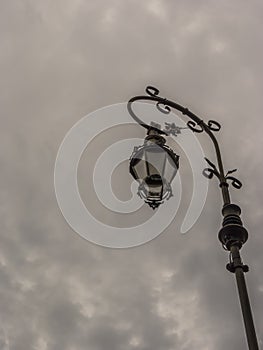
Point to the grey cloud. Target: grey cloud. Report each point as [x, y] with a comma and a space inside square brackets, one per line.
[62, 60]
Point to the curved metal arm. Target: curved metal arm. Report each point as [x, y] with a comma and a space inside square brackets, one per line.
[196, 125]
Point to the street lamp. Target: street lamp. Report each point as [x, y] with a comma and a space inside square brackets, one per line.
[154, 165]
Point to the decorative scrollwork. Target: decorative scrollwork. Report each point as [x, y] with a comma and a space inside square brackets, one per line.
[193, 126]
[213, 125]
[152, 91]
[210, 172]
[162, 107]
[235, 182]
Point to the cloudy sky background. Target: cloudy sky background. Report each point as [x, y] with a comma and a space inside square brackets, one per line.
[61, 60]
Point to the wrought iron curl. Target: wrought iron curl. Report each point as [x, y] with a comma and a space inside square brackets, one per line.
[152, 91]
[214, 125]
[193, 126]
[234, 182]
[210, 172]
[162, 107]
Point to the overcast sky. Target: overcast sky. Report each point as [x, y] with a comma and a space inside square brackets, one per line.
[61, 60]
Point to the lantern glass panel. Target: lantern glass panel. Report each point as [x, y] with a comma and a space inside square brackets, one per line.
[170, 169]
[139, 165]
[156, 158]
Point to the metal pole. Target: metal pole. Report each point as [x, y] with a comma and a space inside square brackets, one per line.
[244, 299]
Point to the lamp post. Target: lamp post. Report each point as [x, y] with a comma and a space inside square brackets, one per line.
[154, 165]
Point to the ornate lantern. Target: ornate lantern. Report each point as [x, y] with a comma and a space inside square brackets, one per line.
[154, 165]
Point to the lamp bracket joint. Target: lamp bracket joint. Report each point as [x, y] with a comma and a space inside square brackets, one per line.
[231, 267]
